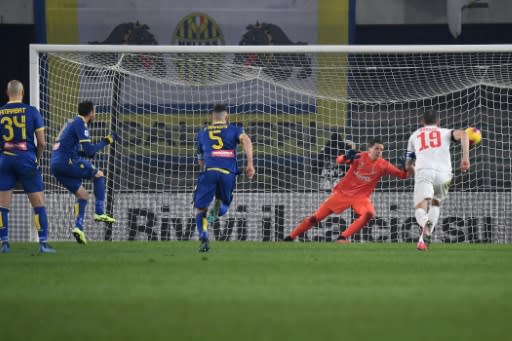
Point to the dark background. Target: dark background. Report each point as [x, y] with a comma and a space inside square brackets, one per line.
[17, 37]
[14, 56]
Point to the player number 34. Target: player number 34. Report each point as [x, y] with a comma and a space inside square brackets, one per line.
[11, 123]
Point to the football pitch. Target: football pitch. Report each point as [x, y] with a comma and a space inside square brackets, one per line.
[256, 291]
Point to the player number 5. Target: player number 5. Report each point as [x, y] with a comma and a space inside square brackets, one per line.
[214, 137]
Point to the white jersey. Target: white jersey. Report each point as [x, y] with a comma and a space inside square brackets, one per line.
[431, 144]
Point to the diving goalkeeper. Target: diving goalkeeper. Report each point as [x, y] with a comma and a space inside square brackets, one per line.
[354, 190]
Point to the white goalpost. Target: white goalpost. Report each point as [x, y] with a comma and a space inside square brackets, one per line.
[300, 105]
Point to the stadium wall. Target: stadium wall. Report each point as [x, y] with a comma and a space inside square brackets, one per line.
[426, 22]
[482, 217]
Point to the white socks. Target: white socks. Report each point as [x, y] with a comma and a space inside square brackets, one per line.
[433, 216]
[421, 219]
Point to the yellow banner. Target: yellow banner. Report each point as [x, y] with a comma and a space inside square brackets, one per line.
[61, 21]
[333, 29]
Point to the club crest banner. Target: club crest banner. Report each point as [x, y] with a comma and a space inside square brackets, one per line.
[198, 22]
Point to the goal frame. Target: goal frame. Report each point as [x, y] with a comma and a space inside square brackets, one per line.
[35, 49]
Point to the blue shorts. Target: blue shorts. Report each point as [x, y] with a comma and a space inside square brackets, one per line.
[211, 184]
[23, 168]
[71, 172]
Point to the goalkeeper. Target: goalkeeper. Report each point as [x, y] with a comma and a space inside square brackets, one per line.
[216, 151]
[72, 143]
[354, 190]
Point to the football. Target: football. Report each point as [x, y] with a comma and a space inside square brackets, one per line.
[475, 135]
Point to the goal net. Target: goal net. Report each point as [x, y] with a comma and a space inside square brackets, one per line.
[300, 105]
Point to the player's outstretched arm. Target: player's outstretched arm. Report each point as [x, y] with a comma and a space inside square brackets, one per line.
[90, 149]
[410, 156]
[247, 144]
[409, 167]
[462, 136]
[394, 171]
[341, 159]
[199, 152]
[408, 162]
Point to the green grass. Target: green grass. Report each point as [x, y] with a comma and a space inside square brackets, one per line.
[256, 291]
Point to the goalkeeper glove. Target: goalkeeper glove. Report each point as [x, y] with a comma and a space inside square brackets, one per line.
[111, 138]
[351, 155]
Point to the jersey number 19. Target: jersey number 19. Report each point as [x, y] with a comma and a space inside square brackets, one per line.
[433, 140]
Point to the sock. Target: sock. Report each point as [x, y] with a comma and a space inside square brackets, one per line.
[4, 224]
[41, 223]
[421, 219]
[99, 194]
[202, 225]
[303, 226]
[357, 225]
[223, 209]
[80, 213]
[321, 213]
[433, 216]
[219, 207]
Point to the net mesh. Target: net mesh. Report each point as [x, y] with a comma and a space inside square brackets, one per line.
[299, 110]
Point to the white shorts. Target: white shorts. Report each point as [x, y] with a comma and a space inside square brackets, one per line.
[431, 184]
